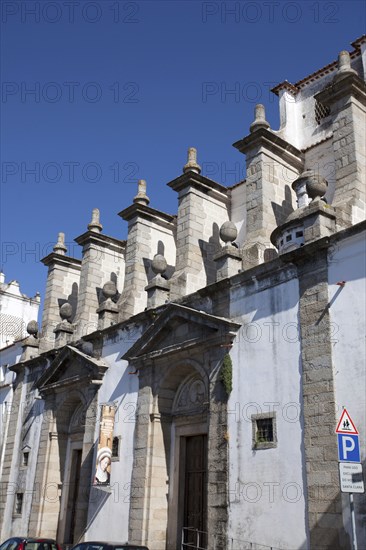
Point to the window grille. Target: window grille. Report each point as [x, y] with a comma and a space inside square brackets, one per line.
[19, 503]
[264, 430]
[115, 448]
[321, 111]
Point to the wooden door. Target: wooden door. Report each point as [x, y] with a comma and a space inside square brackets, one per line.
[72, 500]
[195, 490]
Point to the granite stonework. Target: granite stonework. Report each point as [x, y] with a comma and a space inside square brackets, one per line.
[226, 338]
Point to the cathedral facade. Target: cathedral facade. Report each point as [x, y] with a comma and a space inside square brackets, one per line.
[185, 387]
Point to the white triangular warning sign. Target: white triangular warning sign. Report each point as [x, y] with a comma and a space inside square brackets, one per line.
[345, 424]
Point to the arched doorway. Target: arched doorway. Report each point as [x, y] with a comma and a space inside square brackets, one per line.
[187, 523]
[181, 430]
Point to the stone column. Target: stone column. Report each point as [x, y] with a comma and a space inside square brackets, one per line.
[203, 207]
[324, 508]
[138, 249]
[103, 258]
[62, 282]
[272, 165]
[346, 97]
[148, 229]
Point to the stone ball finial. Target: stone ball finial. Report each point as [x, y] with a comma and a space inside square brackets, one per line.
[192, 165]
[228, 232]
[66, 311]
[309, 184]
[141, 197]
[60, 247]
[109, 289]
[159, 264]
[95, 224]
[32, 328]
[259, 118]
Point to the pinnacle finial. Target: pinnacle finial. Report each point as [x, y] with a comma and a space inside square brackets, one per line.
[344, 65]
[60, 247]
[192, 165]
[141, 197]
[259, 118]
[95, 224]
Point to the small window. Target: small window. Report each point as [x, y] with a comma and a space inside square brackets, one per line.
[288, 238]
[264, 433]
[19, 503]
[299, 233]
[321, 111]
[115, 448]
[25, 458]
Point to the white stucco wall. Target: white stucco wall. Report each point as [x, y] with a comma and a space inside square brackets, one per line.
[16, 310]
[109, 511]
[348, 318]
[297, 113]
[267, 501]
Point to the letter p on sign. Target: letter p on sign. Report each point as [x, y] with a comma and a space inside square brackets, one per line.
[348, 448]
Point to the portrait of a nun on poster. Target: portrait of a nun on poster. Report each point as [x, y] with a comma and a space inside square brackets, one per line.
[102, 475]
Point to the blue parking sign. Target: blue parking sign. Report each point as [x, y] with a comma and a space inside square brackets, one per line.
[348, 448]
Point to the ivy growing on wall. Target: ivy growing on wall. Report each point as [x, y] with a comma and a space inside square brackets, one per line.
[226, 374]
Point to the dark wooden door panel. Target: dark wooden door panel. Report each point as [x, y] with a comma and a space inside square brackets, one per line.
[195, 488]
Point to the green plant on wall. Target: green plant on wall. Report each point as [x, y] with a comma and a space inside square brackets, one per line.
[226, 374]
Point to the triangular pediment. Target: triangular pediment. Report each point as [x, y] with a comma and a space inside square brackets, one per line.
[71, 366]
[179, 327]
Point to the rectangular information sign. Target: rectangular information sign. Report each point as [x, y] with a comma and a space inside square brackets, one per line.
[350, 475]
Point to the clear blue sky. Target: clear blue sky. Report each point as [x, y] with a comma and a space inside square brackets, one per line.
[122, 89]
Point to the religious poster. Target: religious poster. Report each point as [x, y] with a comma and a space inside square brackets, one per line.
[102, 475]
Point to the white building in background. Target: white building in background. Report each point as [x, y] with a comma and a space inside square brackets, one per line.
[206, 359]
[16, 310]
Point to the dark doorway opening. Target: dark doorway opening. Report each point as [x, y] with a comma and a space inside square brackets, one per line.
[194, 451]
[72, 500]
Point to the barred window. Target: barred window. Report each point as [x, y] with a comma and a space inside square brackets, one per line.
[115, 448]
[19, 503]
[321, 111]
[264, 431]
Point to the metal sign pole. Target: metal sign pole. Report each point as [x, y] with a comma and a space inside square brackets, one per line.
[353, 520]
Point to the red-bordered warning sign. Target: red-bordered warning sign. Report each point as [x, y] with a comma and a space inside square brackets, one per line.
[346, 424]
